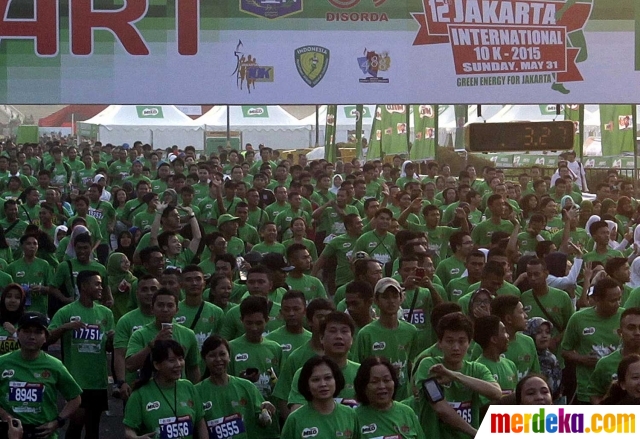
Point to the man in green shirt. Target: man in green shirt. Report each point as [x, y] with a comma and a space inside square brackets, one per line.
[457, 415]
[165, 307]
[535, 233]
[119, 169]
[341, 248]
[312, 287]
[481, 234]
[521, 349]
[591, 333]
[137, 205]
[457, 287]
[34, 275]
[490, 333]
[13, 226]
[601, 235]
[102, 211]
[228, 226]
[454, 266]
[25, 369]
[246, 232]
[29, 210]
[379, 244]
[606, 370]
[281, 203]
[292, 335]
[330, 215]
[283, 220]
[86, 327]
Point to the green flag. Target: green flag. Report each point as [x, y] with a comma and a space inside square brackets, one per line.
[359, 117]
[573, 113]
[616, 126]
[375, 137]
[425, 128]
[461, 118]
[330, 154]
[395, 129]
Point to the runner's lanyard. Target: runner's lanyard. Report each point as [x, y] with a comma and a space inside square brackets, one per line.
[381, 243]
[175, 397]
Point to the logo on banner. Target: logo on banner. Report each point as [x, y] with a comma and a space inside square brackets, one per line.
[525, 42]
[248, 71]
[372, 64]
[149, 112]
[312, 63]
[271, 8]
[355, 16]
[255, 111]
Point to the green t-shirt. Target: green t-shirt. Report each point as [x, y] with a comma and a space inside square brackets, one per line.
[29, 388]
[235, 246]
[577, 236]
[294, 361]
[171, 412]
[143, 219]
[263, 248]
[209, 322]
[234, 408]
[258, 217]
[438, 239]
[604, 374]
[374, 339]
[522, 352]
[289, 342]
[283, 221]
[528, 243]
[13, 236]
[602, 257]
[68, 278]
[27, 275]
[342, 248]
[399, 419]
[312, 287]
[457, 288]
[481, 233]
[201, 191]
[265, 356]
[380, 248]
[504, 372]
[587, 333]
[341, 423]
[556, 303]
[463, 400]
[309, 244]
[126, 326]
[104, 213]
[232, 327]
[92, 225]
[274, 209]
[333, 223]
[141, 338]
[345, 397]
[633, 300]
[118, 171]
[507, 289]
[449, 269]
[248, 234]
[84, 350]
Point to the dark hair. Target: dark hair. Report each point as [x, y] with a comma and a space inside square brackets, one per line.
[163, 292]
[502, 306]
[293, 248]
[484, 328]
[145, 253]
[455, 321]
[159, 353]
[319, 304]
[294, 294]
[493, 267]
[82, 238]
[613, 264]
[537, 261]
[602, 286]
[634, 311]
[84, 277]
[212, 343]
[364, 375]
[441, 310]
[455, 240]
[307, 371]
[340, 318]
[522, 382]
[11, 316]
[596, 225]
[253, 305]
[364, 290]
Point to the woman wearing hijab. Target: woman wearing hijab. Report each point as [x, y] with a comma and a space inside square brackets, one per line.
[337, 181]
[586, 210]
[407, 175]
[59, 235]
[12, 303]
[120, 282]
[634, 282]
[65, 248]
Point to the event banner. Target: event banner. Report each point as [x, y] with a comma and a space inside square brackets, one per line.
[393, 128]
[616, 128]
[425, 132]
[319, 51]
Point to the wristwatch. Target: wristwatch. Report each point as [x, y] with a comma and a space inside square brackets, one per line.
[119, 383]
[61, 421]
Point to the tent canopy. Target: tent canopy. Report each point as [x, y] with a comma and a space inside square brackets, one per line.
[346, 121]
[160, 125]
[69, 114]
[259, 124]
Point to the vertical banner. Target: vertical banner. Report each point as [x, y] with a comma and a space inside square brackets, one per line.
[330, 134]
[616, 126]
[395, 129]
[461, 112]
[359, 116]
[424, 125]
[573, 113]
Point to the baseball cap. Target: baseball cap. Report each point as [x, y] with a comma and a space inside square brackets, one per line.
[387, 282]
[225, 218]
[274, 261]
[125, 146]
[33, 319]
[360, 255]
[253, 257]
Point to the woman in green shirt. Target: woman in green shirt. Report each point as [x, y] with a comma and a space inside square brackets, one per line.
[220, 291]
[299, 230]
[220, 391]
[320, 382]
[379, 415]
[12, 303]
[163, 406]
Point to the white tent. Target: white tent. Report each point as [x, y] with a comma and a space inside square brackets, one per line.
[346, 122]
[260, 124]
[160, 125]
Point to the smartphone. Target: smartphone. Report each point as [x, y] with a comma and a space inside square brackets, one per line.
[433, 390]
[421, 272]
[167, 325]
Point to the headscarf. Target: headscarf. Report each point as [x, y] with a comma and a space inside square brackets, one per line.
[592, 219]
[556, 264]
[564, 199]
[173, 194]
[56, 241]
[77, 230]
[613, 226]
[533, 326]
[334, 186]
[404, 172]
[635, 274]
[586, 204]
[607, 203]
[116, 275]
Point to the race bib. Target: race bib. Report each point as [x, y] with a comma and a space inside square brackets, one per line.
[464, 410]
[89, 332]
[226, 427]
[25, 392]
[417, 318]
[174, 428]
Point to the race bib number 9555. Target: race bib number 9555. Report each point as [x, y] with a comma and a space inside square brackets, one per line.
[226, 427]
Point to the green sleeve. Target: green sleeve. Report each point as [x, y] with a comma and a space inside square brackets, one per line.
[192, 358]
[567, 309]
[60, 276]
[295, 397]
[322, 292]
[227, 331]
[58, 319]
[121, 337]
[133, 412]
[199, 409]
[361, 347]
[475, 233]
[569, 339]
[329, 249]
[136, 344]
[413, 227]
[67, 386]
[284, 382]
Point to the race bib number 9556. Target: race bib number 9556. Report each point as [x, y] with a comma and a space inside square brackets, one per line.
[174, 428]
